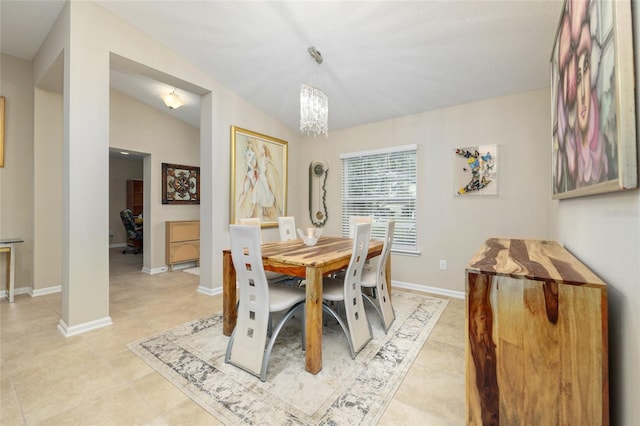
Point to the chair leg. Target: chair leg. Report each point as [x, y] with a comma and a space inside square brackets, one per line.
[275, 332]
[227, 355]
[344, 328]
[377, 309]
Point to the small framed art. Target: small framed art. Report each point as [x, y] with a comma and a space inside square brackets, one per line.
[180, 184]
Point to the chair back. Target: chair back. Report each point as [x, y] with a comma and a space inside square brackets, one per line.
[251, 221]
[287, 228]
[254, 221]
[129, 224]
[359, 327]
[354, 220]
[250, 333]
[381, 276]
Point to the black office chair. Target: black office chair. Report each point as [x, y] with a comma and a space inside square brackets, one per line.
[134, 232]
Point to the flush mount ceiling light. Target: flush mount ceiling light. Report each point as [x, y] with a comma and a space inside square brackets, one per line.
[314, 105]
[172, 100]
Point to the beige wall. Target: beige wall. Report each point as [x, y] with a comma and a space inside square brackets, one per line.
[16, 177]
[120, 171]
[138, 127]
[453, 227]
[603, 231]
[47, 186]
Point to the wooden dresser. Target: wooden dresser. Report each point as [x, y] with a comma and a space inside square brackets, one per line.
[182, 240]
[536, 332]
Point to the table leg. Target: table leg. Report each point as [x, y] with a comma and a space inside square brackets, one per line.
[12, 272]
[229, 310]
[9, 285]
[313, 320]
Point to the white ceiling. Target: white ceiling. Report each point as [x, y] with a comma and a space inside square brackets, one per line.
[382, 59]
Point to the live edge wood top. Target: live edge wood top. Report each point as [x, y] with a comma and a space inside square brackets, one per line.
[292, 257]
[538, 260]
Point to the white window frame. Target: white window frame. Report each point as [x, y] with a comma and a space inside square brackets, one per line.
[372, 185]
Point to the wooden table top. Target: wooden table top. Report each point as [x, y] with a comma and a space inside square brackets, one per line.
[532, 259]
[327, 250]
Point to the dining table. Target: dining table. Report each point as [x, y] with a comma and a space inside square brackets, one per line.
[312, 263]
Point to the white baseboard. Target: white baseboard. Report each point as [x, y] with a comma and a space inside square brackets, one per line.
[209, 291]
[185, 265]
[46, 290]
[84, 327]
[428, 289]
[152, 271]
[16, 291]
[33, 293]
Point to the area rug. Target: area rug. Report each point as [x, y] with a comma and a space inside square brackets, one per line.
[345, 392]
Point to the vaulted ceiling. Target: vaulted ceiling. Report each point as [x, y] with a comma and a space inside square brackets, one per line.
[382, 59]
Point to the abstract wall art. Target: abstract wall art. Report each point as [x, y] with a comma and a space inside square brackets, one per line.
[476, 170]
[592, 100]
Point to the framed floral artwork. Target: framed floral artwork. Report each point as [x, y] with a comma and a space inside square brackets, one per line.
[180, 184]
[258, 177]
[592, 100]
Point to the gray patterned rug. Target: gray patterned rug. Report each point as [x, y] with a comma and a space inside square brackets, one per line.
[345, 392]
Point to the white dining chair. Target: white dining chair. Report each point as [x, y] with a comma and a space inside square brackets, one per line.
[347, 291]
[287, 228]
[376, 281]
[253, 221]
[253, 337]
[272, 277]
[354, 220]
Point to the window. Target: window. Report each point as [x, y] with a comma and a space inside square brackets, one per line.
[382, 184]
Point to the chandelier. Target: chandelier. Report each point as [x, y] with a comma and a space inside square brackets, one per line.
[314, 105]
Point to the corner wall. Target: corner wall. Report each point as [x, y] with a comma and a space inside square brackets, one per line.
[138, 127]
[449, 226]
[603, 231]
[16, 177]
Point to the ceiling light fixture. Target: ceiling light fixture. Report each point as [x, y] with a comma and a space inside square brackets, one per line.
[314, 105]
[172, 100]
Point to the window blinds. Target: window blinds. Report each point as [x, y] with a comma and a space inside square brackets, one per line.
[382, 184]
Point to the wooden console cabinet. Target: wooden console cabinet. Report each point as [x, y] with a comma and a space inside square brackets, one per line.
[536, 331]
[182, 240]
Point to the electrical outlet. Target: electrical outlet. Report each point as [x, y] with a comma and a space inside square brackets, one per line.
[443, 265]
[111, 233]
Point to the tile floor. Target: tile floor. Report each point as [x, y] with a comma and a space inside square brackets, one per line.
[93, 379]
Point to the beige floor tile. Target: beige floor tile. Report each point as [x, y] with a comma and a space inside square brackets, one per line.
[119, 406]
[190, 413]
[452, 334]
[442, 357]
[401, 414]
[94, 379]
[435, 392]
[159, 392]
[66, 389]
